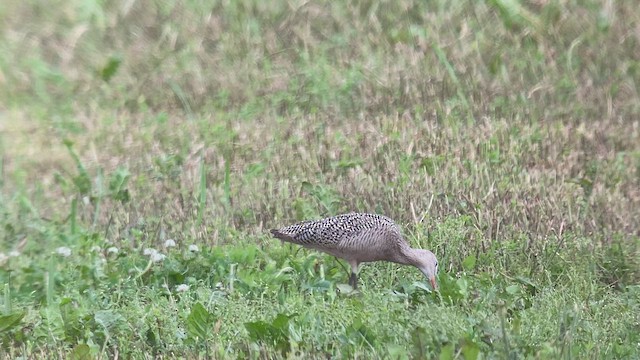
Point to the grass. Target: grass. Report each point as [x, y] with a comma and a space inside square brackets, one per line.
[502, 135]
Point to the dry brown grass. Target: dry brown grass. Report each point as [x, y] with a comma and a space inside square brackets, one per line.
[352, 97]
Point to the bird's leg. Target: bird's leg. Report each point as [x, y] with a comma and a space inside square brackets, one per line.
[353, 280]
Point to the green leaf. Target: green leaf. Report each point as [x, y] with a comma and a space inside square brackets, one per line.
[513, 14]
[345, 288]
[118, 185]
[397, 352]
[258, 330]
[512, 289]
[447, 352]
[422, 286]
[82, 181]
[198, 322]
[470, 350]
[111, 68]
[469, 263]
[525, 281]
[463, 287]
[306, 186]
[429, 165]
[81, 352]
[419, 340]
[276, 333]
[107, 318]
[281, 321]
[9, 321]
[151, 338]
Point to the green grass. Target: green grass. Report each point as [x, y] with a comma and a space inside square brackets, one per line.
[502, 135]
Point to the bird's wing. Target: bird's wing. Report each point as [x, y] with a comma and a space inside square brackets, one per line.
[331, 232]
[372, 244]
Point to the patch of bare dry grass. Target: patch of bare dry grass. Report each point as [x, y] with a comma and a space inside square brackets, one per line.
[553, 146]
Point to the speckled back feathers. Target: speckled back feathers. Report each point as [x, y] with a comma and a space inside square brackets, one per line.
[330, 232]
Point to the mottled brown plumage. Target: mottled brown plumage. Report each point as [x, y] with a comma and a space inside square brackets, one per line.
[359, 238]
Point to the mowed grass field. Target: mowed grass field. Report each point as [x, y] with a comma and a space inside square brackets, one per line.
[147, 147]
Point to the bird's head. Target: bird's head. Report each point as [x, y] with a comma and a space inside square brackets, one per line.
[428, 264]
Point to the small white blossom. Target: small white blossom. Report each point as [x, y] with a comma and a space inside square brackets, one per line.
[181, 334]
[14, 253]
[157, 257]
[194, 248]
[154, 254]
[112, 250]
[3, 258]
[149, 251]
[63, 251]
[95, 248]
[169, 243]
[182, 288]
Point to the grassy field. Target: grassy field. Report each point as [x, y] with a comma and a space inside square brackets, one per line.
[146, 147]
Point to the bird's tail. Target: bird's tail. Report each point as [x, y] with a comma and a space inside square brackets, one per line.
[282, 236]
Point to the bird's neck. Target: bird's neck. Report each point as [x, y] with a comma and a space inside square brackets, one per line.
[406, 256]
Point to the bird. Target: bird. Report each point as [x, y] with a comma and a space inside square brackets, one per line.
[359, 238]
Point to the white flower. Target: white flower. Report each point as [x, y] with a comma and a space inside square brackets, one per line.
[14, 253]
[95, 248]
[154, 254]
[112, 250]
[3, 258]
[63, 251]
[182, 288]
[194, 248]
[157, 257]
[169, 243]
[181, 334]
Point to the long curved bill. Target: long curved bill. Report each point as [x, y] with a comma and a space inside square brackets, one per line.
[434, 285]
